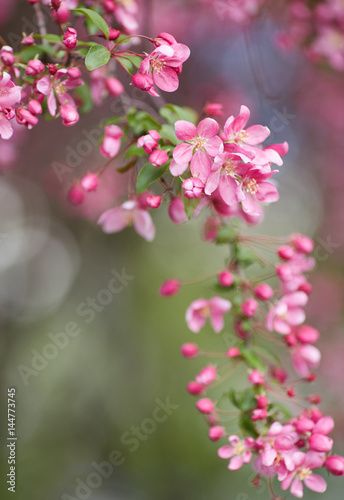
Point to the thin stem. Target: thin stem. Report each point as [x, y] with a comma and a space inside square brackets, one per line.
[40, 21]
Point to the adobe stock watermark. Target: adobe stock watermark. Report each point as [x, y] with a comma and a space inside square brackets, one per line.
[131, 438]
[87, 310]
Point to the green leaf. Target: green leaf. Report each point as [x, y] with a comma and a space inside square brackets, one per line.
[280, 408]
[50, 37]
[135, 60]
[84, 94]
[247, 426]
[243, 400]
[31, 52]
[95, 18]
[190, 205]
[147, 175]
[234, 398]
[134, 151]
[171, 113]
[140, 121]
[267, 353]
[126, 63]
[252, 359]
[226, 234]
[97, 56]
[167, 132]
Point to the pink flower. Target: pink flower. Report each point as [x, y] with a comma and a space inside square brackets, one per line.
[304, 465]
[205, 405]
[207, 375]
[201, 145]
[287, 313]
[254, 188]
[189, 350]
[10, 94]
[249, 307]
[129, 213]
[165, 63]
[238, 451]
[70, 38]
[193, 187]
[90, 182]
[54, 86]
[111, 144]
[216, 432]
[149, 142]
[305, 358]
[34, 67]
[200, 310]
[69, 115]
[225, 278]
[335, 465]
[256, 377]
[158, 157]
[114, 86]
[263, 291]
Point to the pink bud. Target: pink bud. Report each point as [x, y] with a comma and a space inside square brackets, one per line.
[154, 201]
[290, 339]
[193, 187]
[304, 425]
[306, 288]
[194, 388]
[335, 465]
[307, 334]
[70, 38]
[286, 252]
[239, 330]
[7, 56]
[169, 288]
[142, 82]
[158, 157]
[256, 378]
[302, 243]
[315, 399]
[69, 115]
[109, 6]
[149, 142]
[207, 375]
[28, 40]
[74, 72]
[113, 34]
[225, 278]
[34, 107]
[34, 67]
[216, 433]
[90, 182]
[213, 109]
[262, 402]
[76, 195]
[291, 392]
[189, 350]
[249, 307]
[321, 443]
[284, 272]
[311, 377]
[316, 415]
[55, 4]
[259, 414]
[279, 374]
[25, 117]
[324, 426]
[205, 405]
[52, 69]
[114, 86]
[62, 14]
[176, 210]
[263, 291]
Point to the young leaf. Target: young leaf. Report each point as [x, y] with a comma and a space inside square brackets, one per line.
[97, 56]
[167, 132]
[247, 427]
[190, 205]
[252, 359]
[147, 175]
[84, 93]
[128, 65]
[95, 18]
[134, 151]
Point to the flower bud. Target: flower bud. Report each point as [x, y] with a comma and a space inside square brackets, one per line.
[35, 107]
[302, 243]
[113, 34]
[205, 405]
[90, 182]
[303, 425]
[259, 414]
[70, 38]
[74, 72]
[232, 352]
[193, 187]
[170, 287]
[176, 210]
[154, 201]
[69, 115]
[263, 291]
[321, 443]
[286, 252]
[207, 375]
[335, 465]
[34, 67]
[189, 350]
[225, 278]
[291, 392]
[28, 40]
[262, 402]
[114, 86]
[62, 14]
[216, 432]
[324, 425]
[306, 288]
[315, 399]
[142, 82]
[279, 374]
[256, 378]
[195, 389]
[7, 56]
[76, 195]
[249, 307]
[158, 157]
[307, 334]
[213, 109]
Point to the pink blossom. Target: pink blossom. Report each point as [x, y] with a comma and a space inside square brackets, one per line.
[205, 405]
[54, 86]
[193, 187]
[129, 213]
[233, 352]
[287, 313]
[10, 94]
[90, 182]
[213, 109]
[70, 38]
[200, 310]
[6, 54]
[201, 145]
[194, 388]
[225, 278]
[256, 377]
[34, 67]
[189, 350]
[111, 143]
[307, 334]
[238, 451]
[263, 291]
[76, 195]
[259, 414]
[158, 157]
[305, 358]
[216, 432]
[154, 201]
[319, 442]
[249, 307]
[170, 287]
[149, 142]
[207, 375]
[165, 63]
[335, 465]
[114, 86]
[304, 465]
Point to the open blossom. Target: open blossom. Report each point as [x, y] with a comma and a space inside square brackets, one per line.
[201, 145]
[305, 358]
[165, 64]
[304, 465]
[287, 313]
[111, 143]
[238, 451]
[200, 310]
[57, 89]
[129, 213]
[149, 141]
[10, 94]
